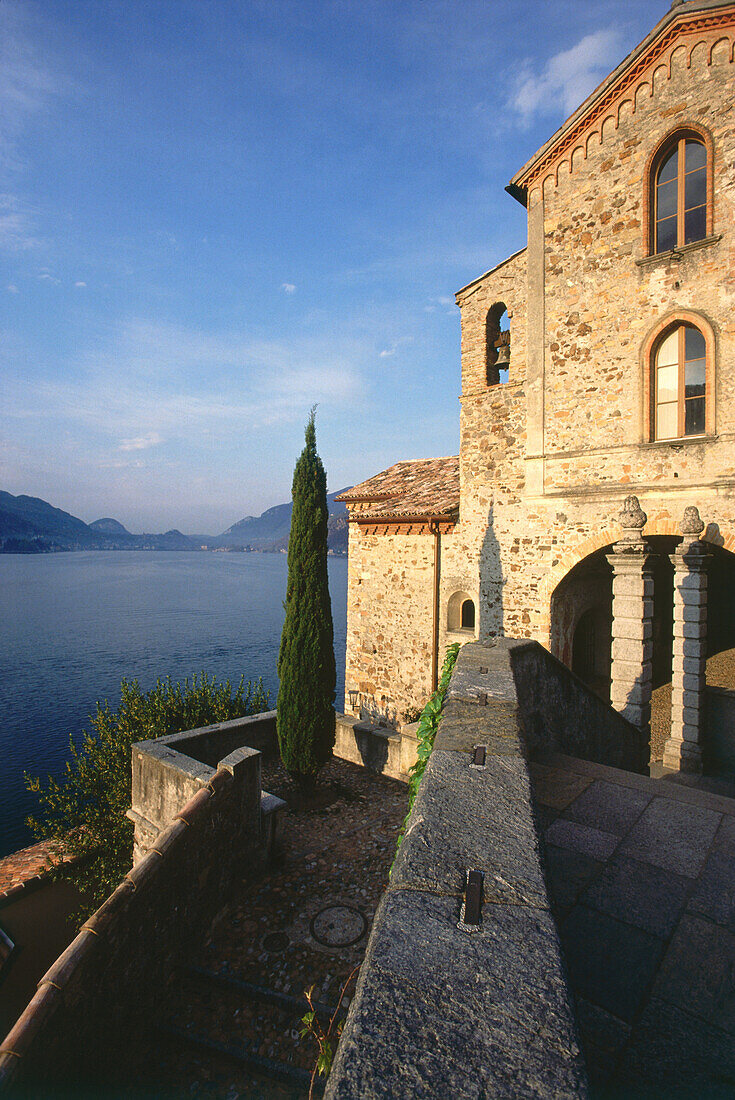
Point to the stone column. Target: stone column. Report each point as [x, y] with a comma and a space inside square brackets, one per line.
[632, 626]
[683, 750]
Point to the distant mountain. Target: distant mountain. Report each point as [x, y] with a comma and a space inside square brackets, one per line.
[108, 527]
[29, 525]
[270, 530]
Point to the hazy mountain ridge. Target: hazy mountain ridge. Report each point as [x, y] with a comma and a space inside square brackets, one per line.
[270, 530]
[30, 525]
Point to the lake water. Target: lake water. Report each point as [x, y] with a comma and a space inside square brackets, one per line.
[73, 625]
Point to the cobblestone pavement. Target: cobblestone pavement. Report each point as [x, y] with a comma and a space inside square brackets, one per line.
[642, 878]
[288, 929]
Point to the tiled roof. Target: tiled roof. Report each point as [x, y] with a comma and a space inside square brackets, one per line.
[28, 865]
[427, 487]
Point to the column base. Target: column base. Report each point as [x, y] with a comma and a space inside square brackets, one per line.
[683, 756]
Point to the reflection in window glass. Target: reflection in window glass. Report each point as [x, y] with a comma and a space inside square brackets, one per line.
[681, 196]
[680, 384]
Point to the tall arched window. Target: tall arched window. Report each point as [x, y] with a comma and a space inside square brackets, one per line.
[680, 193]
[679, 383]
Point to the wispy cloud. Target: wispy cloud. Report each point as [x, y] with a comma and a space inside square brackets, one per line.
[443, 302]
[16, 225]
[140, 442]
[12, 288]
[80, 283]
[387, 352]
[155, 382]
[288, 288]
[28, 84]
[567, 78]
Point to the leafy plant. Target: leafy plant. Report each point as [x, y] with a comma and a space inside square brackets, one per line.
[426, 732]
[83, 813]
[306, 664]
[312, 1026]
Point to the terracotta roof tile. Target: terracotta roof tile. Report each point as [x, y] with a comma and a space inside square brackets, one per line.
[425, 487]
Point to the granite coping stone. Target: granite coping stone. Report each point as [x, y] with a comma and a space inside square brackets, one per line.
[440, 1009]
[465, 724]
[472, 1015]
[480, 819]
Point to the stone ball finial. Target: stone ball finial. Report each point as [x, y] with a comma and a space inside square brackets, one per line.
[691, 523]
[632, 517]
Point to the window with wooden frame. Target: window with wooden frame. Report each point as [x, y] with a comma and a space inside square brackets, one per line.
[681, 193]
[679, 384]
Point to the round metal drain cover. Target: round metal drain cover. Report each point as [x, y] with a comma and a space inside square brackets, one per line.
[338, 926]
[275, 942]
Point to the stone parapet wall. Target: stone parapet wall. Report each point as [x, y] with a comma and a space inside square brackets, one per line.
[378, 748]
[113, 979]
[168, 771]
[442, 1009]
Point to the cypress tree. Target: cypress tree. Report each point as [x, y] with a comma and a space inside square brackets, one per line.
[306, 658]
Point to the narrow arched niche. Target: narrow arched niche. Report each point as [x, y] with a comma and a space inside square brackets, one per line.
[497, 344]
[461, 614]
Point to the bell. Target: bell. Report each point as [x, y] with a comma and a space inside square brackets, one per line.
[503, 358]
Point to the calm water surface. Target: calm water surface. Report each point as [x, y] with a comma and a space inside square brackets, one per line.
[73, 625]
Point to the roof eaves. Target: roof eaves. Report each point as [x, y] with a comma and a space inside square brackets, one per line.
[677, 11]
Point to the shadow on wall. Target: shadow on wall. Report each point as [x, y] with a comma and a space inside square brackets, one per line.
[491, 584]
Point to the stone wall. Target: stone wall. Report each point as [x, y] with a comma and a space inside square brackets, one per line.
[389, 624]
[443, 1008]
[560, 714]
[168, 771]
[113, 979]
[720, 717]
[547, 458]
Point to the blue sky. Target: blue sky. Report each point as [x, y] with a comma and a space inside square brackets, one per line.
[215, 213]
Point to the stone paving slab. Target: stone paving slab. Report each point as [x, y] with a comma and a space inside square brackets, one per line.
[608, 806]
[592, 842]
[641, 874]
[640, 893]
[611, 963]
[568, 873]
[673, 836]
[673, 1055]
[698, 972]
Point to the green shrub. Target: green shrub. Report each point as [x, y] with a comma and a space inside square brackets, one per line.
[83, 813]
[306, 664]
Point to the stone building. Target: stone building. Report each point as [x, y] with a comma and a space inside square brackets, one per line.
[597, 414]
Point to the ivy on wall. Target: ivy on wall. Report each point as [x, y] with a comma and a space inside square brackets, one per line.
[426, 733]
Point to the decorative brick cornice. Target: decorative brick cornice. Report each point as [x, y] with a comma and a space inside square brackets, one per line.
[683, 28]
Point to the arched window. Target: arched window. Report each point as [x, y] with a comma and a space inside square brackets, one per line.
[680, 196]
[497, 344]
[679, 383]
[468, 615]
